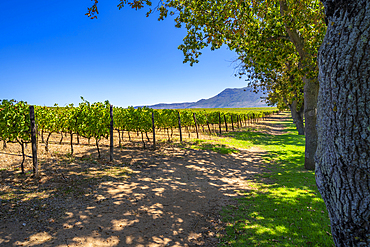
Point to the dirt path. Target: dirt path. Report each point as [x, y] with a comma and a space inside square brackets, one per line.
[172, 199]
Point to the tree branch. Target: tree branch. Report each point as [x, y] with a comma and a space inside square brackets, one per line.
[277, 38]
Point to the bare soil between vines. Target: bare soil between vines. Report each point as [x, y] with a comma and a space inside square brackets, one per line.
[171, 196]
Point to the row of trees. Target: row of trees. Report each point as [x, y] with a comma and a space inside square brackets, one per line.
[276, 42]
[278, 46]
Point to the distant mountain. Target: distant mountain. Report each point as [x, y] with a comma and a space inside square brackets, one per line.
[229, 98]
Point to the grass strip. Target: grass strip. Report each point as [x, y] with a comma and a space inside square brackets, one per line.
[285, 207]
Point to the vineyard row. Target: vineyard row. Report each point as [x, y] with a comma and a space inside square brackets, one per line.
[98, 120]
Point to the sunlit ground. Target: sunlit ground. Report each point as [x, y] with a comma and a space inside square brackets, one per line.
[286, 208]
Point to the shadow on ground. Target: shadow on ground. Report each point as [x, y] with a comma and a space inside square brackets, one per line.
[168, 197]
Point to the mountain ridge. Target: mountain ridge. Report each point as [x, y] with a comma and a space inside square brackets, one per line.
[228, 98]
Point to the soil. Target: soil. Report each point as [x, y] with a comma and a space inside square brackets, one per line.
[171, 196]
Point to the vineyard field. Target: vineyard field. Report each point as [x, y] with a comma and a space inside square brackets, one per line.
[89, 124]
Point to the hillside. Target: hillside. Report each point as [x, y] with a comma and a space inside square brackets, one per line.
[229, 98]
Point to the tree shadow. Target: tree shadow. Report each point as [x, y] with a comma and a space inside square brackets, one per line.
[167, 197]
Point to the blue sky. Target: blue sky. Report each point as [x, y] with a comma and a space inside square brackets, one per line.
[50, 52]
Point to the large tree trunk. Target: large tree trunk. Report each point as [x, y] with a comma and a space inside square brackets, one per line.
[297, 115]
[343, 154]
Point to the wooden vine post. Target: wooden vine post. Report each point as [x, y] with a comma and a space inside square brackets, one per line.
[71, 133]
[196, 125]
[232, 122]
[33, 141]
[225, 123]
[180, 126]
[153, 130]
[111, 134]
[219, 121]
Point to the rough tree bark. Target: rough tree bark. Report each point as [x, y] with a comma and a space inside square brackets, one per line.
[343, 154]
[297, 115]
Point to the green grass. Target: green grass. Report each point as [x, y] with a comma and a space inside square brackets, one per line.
[219, 148]
[226, 144]
[286, 210]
